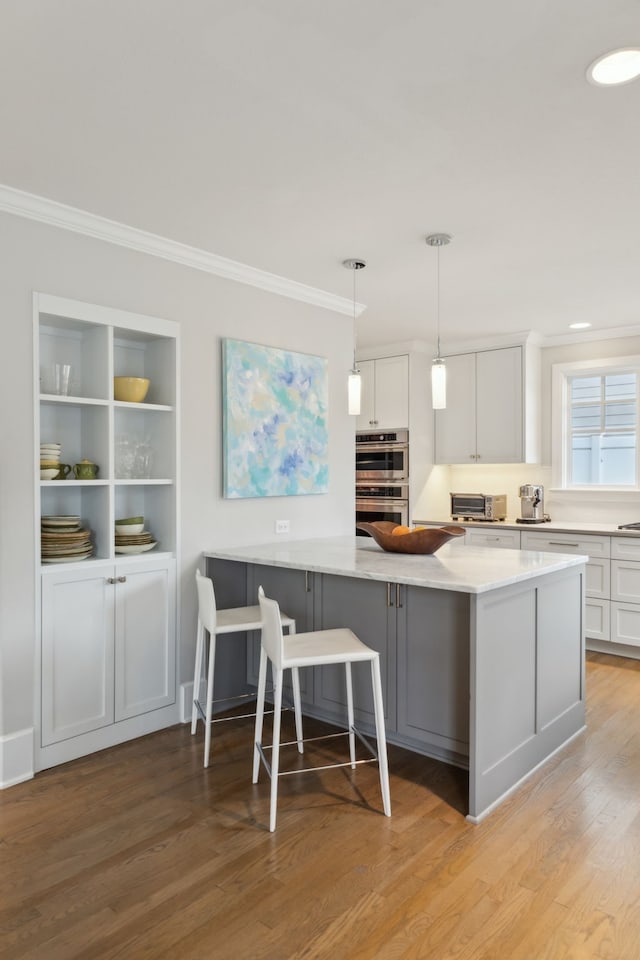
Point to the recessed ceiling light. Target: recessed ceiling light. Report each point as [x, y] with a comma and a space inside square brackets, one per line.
[619, 66]
[579, 326]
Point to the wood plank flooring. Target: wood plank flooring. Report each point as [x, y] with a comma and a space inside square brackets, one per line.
[138, 852]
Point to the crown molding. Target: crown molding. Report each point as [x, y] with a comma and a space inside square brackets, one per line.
[33, 207]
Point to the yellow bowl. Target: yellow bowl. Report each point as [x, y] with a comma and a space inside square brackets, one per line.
[130, 389]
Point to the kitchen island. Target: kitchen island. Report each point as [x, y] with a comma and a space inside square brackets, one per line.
[482, 650]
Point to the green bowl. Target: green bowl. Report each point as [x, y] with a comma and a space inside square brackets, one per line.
[126, 520]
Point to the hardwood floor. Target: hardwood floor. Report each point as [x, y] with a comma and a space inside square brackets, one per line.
[138, 852]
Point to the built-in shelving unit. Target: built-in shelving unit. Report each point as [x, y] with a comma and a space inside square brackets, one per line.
[107, 656]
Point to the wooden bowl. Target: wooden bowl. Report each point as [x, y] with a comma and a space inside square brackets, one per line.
[427, 540]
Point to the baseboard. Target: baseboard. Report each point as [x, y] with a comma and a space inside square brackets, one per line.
[16, 758]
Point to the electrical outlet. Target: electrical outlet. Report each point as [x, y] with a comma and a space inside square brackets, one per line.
[282, 526]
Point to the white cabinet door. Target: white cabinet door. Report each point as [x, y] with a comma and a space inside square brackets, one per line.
[77, 652]
[499, 406]
[625, 623]
[596, 619]
[366, 418]
[145, 637]
[392, 393]
[385, 393]
[455, 426]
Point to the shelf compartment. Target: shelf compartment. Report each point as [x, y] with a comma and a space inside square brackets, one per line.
[144, 443]
[85, 499]
[83, 346]
[81, 429]
[156, 503]
[139, 355]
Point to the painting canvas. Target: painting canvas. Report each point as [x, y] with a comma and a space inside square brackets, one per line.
[275, 429]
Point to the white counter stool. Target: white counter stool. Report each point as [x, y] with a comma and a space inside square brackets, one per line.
[317, 648]
[216, 622]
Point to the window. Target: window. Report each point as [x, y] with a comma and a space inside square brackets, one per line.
[595, 415]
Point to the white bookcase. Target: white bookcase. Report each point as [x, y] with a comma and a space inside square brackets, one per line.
[107, 625]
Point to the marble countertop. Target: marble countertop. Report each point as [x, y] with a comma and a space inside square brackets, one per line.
[468, 570]
[551, 526]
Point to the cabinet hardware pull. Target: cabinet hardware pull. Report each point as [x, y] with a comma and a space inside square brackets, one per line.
[306, 582]
[563, 543]
[122, 579]
[398, 596]
[111, 579]
[389, 604]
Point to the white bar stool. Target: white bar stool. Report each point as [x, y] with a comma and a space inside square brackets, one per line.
[315, 648]
[216, 622]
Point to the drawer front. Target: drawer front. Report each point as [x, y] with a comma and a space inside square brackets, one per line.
[566, 543]
[598, 579]
[596, 619]
[625, 548]
[625, 623]
[625, 581]
[488, 538]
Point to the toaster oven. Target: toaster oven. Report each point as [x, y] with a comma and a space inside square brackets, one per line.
[478, 506]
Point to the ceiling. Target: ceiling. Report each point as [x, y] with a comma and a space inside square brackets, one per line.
[292, 134]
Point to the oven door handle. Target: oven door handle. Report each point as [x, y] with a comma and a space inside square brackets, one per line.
[382, 448]
[380, 502]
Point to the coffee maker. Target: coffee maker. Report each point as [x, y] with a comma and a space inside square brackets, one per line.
[531, 503]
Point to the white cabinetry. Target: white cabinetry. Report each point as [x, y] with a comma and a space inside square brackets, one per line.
[385, 393]
[489, 413]
[625, 590]
[509, 539]
[108, 644]
[108, 623]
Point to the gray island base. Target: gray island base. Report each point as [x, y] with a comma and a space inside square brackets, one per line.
[482, 651]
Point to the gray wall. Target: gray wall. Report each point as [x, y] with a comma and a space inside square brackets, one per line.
[37, 257]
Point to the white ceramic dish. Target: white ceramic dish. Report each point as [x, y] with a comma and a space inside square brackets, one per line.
[137, 548]
[82, 556]
[126, 528]
[49, 473]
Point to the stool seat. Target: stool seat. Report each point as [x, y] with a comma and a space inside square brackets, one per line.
[216, 622]
[313, 648]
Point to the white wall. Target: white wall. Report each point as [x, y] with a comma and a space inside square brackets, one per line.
[36, 257]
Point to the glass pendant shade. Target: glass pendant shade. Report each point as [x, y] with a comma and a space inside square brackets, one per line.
[355, 392]
[438, 384]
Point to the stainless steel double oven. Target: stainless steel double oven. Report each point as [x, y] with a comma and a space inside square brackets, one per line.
[382, 476]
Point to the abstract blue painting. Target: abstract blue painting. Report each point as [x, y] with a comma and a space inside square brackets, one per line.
[275, 430]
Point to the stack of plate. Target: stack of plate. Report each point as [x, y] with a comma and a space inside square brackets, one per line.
[49, 460]
[133, 542]
[63, 540]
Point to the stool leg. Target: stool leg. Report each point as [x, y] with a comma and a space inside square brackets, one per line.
[262, 684]
[350, 717]
[381, 735]
[197, 675]
[210, 673]
[297, 709]
[275, 750]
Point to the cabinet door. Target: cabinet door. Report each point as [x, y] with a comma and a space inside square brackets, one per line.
[455, 426]
[596, 619]
[144, 637]
[499, 406]
[366, 418]
[361, 605]
[293, 589]
[392, 393]
[77, 652]
[433, 669]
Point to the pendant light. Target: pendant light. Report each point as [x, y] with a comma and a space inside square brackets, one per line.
[355, 380]
[438, 368]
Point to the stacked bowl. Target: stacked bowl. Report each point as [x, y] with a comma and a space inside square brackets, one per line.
[131, 537]
[49, 460]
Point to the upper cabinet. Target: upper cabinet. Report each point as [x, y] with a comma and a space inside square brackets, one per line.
[490, 415]
[385, 393]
